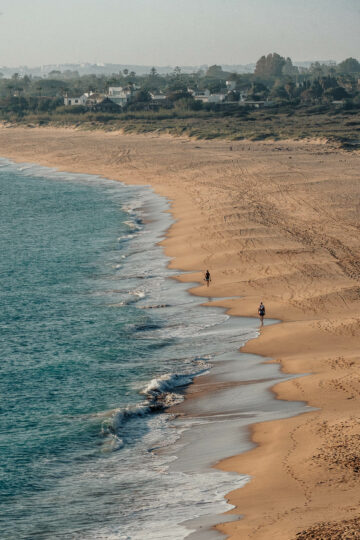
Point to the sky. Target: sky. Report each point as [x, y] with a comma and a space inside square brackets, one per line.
[176, 32]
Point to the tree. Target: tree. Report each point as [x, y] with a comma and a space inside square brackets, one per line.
[177, 84]
[258, 91]
[26, 81]
[142, 96]
[69, 74]
[215, 86]
[15, 104]
[279, 92]
[232, 96]
[312, 93]
[179, 94]
[356, 100]
[289, 69]
[54, 74]
[317, 69]
[153, 81]
[51, 87]
[244, 81]
[187, 103]
[316, 89]
[306, 95]
[350, 65]
[327, 82]
[336, 93]
[10, 87]
[233, 77]
[270, 66]
[290, 89]
[215, 72]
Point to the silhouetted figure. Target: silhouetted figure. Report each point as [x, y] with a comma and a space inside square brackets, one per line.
[207, 277]
[261, 312]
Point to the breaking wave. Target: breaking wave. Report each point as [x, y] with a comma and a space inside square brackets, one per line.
[160, 393]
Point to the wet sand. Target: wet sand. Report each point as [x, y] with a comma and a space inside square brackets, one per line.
[277, 222]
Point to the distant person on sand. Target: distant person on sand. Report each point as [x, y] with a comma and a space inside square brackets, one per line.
[207, 277]
[261, 312]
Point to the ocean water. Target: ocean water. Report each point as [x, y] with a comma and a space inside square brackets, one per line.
[96, 341]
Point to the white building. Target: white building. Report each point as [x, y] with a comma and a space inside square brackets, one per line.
[216, 98]
[200, 95]
[120, 95]
[157, 96]
[115, 91]
[81, 100]
[86, 99]
[206, 96]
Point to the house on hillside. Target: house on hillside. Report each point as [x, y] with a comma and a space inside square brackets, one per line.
[206, 96]
[115, 91]
[119, 95]
[106, 105]
[93, 98]
[216, 98]
[71, 101]
[157, 96]
[88, 99]
[196, 94]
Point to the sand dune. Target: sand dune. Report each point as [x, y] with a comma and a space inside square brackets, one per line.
[278, 222]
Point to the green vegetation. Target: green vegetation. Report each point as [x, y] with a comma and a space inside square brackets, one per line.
[282, 123]
[279, 100]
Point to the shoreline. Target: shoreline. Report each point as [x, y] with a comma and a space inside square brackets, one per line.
[301, 257]
[234, 396]
[146, 211]
[227, 374]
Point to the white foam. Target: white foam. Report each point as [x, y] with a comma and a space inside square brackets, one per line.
[166, 383]
[138, 292]
[131, 224]
[125, 237]
[159, 395]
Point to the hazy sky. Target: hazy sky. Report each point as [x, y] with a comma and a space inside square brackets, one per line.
[171, 32]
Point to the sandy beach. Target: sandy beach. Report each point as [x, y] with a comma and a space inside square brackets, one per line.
[277, 222]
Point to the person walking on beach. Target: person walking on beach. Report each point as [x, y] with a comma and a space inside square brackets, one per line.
[261, 312]
[207, 277]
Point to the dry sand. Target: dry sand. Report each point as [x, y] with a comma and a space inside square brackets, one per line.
[277, 222]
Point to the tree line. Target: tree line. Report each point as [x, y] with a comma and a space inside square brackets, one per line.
[275, 79]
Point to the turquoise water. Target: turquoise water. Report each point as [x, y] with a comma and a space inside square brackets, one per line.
[64, 352]
[95, 342]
